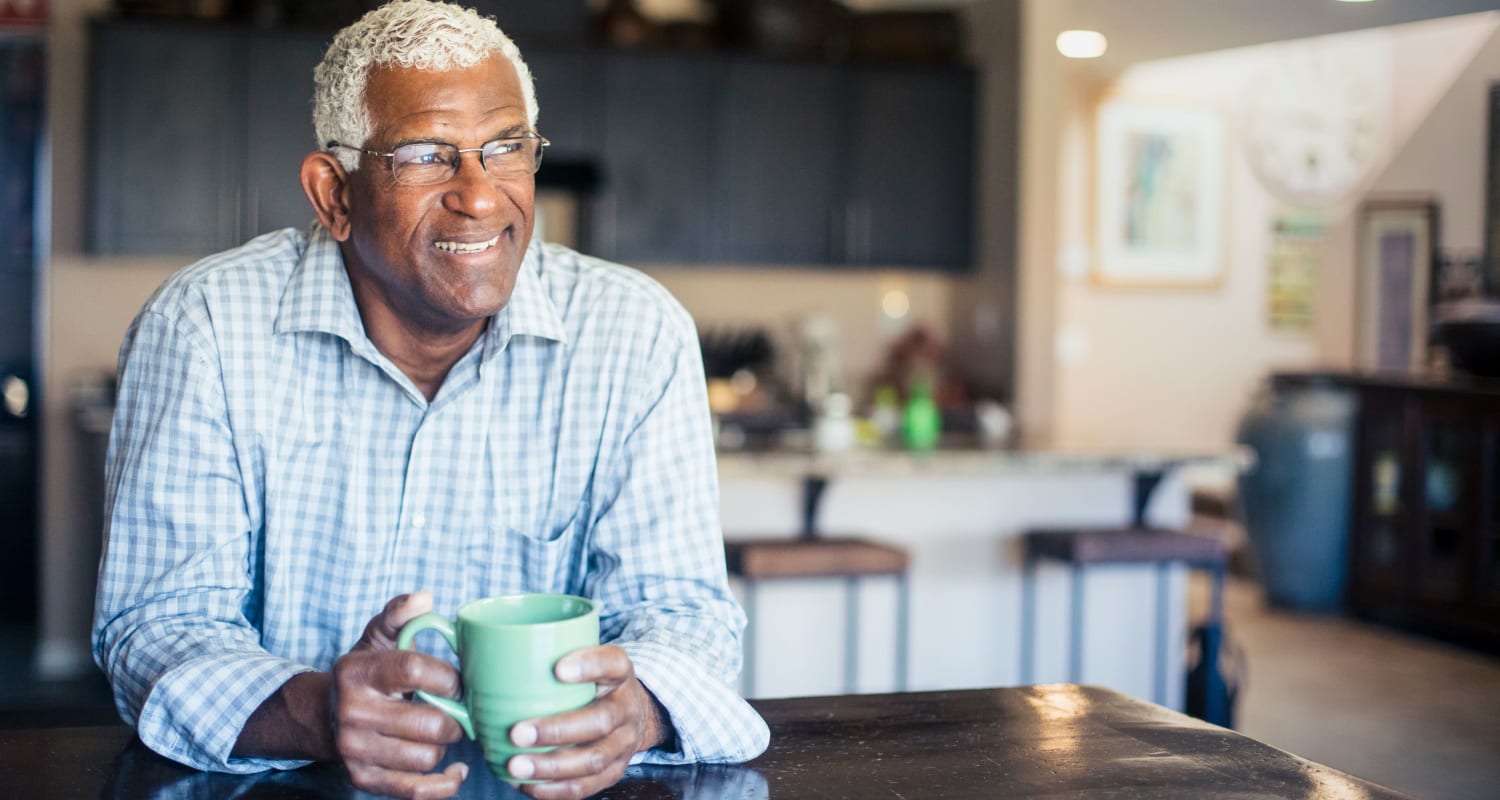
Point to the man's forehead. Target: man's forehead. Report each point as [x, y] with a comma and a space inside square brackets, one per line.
[489, 90]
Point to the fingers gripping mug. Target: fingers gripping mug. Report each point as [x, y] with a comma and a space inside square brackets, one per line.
[507, 648]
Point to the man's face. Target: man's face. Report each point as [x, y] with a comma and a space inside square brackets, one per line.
[443, 257]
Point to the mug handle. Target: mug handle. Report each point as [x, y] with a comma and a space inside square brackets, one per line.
[444, 626]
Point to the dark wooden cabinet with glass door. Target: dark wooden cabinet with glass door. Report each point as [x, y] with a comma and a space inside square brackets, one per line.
[1426, 540]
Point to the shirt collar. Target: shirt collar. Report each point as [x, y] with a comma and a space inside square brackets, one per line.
[319, 297]
[530, 311]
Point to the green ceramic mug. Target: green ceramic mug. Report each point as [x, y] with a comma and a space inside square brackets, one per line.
[507, 648]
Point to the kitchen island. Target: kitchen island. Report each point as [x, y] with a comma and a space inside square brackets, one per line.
[961, 514]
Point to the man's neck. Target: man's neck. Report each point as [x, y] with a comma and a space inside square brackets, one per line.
[422, 354]
[427, 361]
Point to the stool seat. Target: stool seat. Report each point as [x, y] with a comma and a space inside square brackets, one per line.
[849, 558]
[822, 557]
[1134, 544]
[1126, 546]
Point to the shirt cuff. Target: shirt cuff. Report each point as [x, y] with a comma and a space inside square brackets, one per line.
[713, 724]
[196, 711]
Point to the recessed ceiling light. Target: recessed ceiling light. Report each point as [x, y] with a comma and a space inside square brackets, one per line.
[1082, 44]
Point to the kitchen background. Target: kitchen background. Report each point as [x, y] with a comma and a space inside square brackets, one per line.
[1011, 275]
[1079, 363]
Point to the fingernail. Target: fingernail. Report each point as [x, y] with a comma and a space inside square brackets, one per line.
[523, 734]
[569, 671]
[463, 772]
[521, 768]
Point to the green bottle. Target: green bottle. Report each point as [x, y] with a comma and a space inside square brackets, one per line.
[921, 422]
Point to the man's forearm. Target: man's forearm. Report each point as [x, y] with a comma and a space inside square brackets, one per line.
[294, 723]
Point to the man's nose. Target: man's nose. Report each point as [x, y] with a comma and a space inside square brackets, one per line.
[472, 191]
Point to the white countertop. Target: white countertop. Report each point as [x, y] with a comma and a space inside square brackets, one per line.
[883, 463]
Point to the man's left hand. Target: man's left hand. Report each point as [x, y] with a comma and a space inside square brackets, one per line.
[595, 742]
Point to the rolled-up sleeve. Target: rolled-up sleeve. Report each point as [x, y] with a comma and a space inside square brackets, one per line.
[171, 627]
[657, 563]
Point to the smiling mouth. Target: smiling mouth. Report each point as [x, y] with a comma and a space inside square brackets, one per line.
[466, 248]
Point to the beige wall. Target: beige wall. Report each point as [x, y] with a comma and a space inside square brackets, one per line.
[1173, 368]
[89, 304]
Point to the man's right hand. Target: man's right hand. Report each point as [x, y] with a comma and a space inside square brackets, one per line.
[389, 744]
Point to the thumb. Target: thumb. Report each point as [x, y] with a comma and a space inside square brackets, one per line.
[383, 629]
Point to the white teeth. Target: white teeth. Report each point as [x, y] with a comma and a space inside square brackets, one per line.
[463, 248]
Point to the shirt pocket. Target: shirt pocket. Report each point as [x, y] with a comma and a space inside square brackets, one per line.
[544, 553]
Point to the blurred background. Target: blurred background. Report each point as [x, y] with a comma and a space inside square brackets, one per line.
[1104, 228]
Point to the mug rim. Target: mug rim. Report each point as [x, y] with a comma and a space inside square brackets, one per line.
[466, 611]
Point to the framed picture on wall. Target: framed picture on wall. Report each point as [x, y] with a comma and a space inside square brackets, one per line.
[1159, 196]
[1397, 239]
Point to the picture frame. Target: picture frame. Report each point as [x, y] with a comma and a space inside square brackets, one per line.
[1396, 264]
[1159, 215]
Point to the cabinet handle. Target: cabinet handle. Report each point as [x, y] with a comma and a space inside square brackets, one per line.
[254, 210]
[865, 216]
[851, 232]
[838, 243]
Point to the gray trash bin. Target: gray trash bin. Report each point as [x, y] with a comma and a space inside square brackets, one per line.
[1296, 495]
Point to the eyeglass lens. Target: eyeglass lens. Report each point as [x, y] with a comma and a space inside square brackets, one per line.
[434, 162]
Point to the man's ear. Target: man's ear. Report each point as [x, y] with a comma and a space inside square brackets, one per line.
[327, 186]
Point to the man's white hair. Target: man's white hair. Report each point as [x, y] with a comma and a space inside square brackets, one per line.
[415, 34]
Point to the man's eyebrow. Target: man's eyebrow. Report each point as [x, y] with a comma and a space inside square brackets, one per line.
[513, 131]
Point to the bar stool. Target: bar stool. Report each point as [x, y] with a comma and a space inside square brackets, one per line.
[847, 557]
[1081, 547]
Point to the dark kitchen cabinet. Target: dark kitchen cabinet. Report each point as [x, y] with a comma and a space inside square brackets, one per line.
[197, 134]
[279, 123]
[166, 138]
[909, 198]
[1425, 549]
[569, 90]
[658, 157]
[780, 161]
[761, 162]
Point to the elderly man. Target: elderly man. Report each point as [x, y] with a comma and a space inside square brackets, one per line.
[411, 405]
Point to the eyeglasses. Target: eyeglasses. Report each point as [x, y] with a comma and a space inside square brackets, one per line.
[426, 163]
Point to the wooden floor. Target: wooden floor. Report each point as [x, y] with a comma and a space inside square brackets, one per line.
[1417, 715]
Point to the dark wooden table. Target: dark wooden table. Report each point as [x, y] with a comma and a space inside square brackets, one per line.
[1050, 741]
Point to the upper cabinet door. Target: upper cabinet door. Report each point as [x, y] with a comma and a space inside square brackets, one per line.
[778, 152]
[166, 145]
[911, 175]
[197, 134]
[655, 204]
[569, 93]
[280, 129]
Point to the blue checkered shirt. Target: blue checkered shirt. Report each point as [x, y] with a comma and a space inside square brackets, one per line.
[273, 480]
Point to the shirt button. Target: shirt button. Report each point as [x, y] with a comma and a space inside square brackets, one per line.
[418, 520]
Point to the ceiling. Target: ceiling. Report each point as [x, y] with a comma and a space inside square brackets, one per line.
[1141, 30]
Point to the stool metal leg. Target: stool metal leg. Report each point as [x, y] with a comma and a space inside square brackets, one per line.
[1216, 607]
[1028, 624]
[748, 670]
[903, 630]
[1075, 647]
[1159, 637]
[851, 635]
